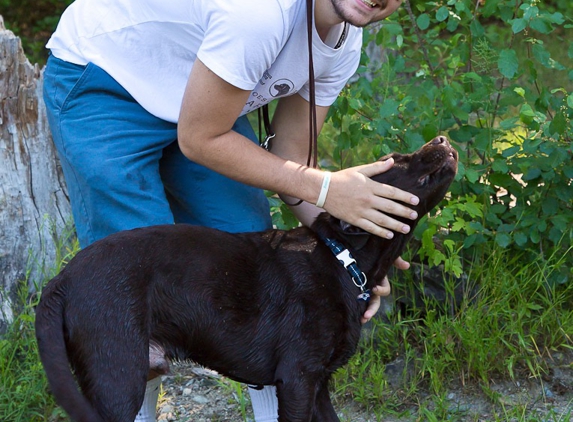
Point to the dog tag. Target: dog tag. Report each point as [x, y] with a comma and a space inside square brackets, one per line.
[365, 296]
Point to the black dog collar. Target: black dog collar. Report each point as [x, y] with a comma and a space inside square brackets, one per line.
[346, 259]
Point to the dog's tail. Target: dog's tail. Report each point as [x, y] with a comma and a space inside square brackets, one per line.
[52, 349]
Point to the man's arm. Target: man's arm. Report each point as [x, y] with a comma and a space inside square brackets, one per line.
[352, 196]
[209, 109]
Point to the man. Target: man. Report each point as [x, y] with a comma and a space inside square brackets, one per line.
[147, 100]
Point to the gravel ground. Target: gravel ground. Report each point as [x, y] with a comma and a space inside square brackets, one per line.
[192, 393]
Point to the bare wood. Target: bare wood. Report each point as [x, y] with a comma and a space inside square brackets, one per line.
[34, 206]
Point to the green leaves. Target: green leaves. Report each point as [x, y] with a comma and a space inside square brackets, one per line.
[498, 84]
[518, 25]
[423, 21]
[388, 108]
[544, 57]
[508, 64]
[558, 125]
[537, 19]
[442, 14]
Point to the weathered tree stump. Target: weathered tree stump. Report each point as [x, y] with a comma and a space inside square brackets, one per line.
[34, 207]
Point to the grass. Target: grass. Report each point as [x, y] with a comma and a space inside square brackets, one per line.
[239, 393]
[23, 387]
[24, 392]
[507, 330]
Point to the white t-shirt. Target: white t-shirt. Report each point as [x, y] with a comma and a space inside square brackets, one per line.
[149, 46]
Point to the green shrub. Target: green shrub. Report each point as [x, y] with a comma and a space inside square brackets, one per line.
[496, 79]
[33, 21]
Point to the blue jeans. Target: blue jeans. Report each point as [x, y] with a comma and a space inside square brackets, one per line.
[123, 167]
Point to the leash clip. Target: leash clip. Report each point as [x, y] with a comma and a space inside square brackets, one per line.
[266, 144]
[347, 260]
[365, 295]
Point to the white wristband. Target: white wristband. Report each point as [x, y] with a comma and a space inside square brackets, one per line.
[323, 190]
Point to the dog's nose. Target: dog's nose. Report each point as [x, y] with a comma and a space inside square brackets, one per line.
[439, 140]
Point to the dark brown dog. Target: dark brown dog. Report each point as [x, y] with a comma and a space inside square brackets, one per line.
[274, 307]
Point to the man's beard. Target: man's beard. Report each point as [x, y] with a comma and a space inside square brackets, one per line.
[346, 17]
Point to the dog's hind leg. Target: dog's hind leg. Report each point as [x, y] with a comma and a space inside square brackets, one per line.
[118, 387]
[111, 364]
[115, 383]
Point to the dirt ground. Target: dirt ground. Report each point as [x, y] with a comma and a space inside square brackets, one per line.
[192, 393]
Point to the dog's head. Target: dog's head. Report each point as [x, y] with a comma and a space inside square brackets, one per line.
[426, 173]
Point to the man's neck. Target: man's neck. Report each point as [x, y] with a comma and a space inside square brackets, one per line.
[325, 18]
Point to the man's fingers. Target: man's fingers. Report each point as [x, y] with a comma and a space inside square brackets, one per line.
[381, 224]
[376, 168]
[374, 229]
[386, 191]
[395, 194]
[401, 264]
[375, 206]
[383, 289]
[373, 307]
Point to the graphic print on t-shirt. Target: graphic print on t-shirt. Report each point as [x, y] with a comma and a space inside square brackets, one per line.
[281, 88]
[268, 89]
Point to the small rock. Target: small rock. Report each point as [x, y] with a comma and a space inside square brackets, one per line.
[187, 391]
[166, 408]
[200, 399]
[548, 393]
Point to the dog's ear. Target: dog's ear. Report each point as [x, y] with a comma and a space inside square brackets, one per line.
[355, 236]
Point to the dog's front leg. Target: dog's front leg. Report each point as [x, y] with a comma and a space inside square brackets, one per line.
[323, 410]
[296, 399]
[297, 385]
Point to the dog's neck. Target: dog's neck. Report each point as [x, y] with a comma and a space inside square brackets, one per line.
[374, 255]
[347, 260]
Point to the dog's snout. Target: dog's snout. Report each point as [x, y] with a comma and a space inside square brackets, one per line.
[439, 140]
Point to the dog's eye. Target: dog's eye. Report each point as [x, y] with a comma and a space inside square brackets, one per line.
[424, 180]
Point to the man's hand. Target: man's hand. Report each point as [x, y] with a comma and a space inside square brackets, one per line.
[381, 290]
[357, 199]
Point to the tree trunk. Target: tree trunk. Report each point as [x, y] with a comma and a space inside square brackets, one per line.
[34, 206]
